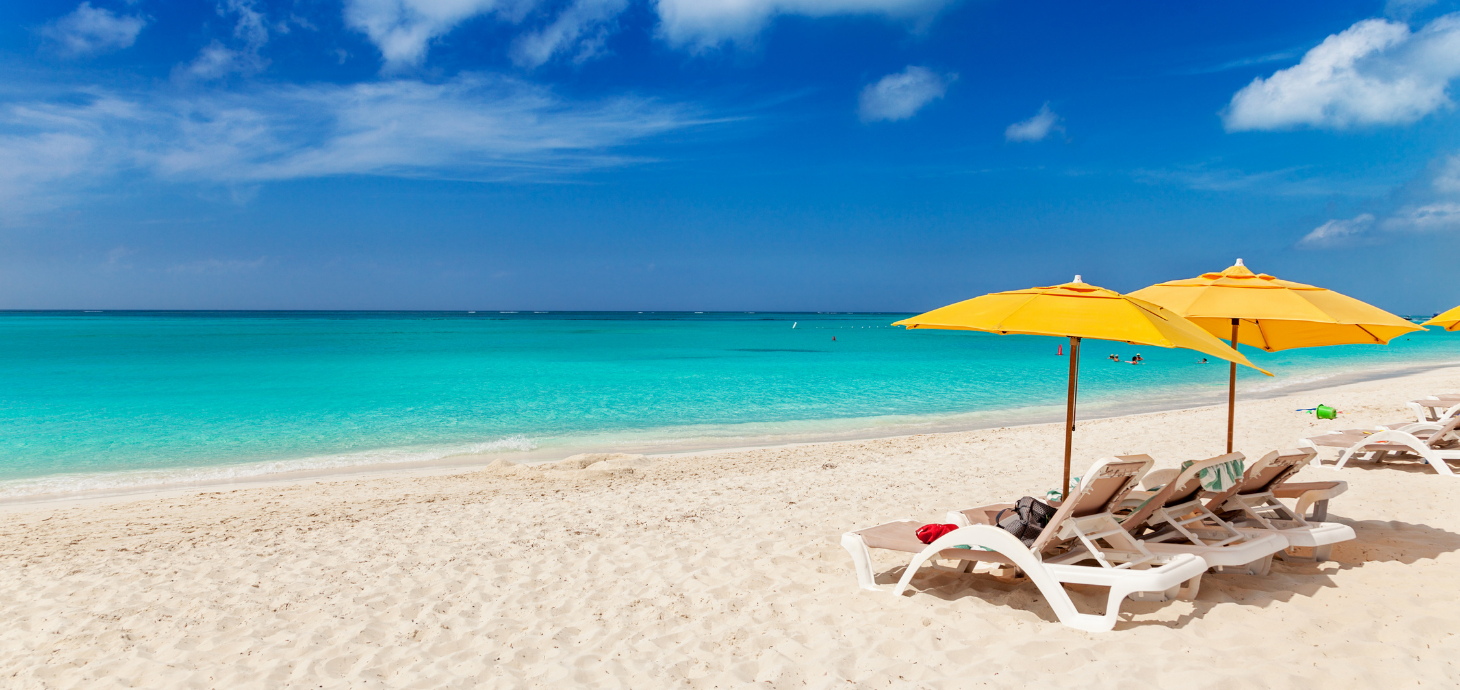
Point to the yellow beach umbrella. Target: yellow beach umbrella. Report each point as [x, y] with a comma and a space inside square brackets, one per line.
[1076, 311]
[1449, 320]
[1272, 314]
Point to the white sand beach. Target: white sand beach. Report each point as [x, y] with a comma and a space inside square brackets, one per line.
[715, 570]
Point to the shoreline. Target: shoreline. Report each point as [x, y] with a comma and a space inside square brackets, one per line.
[445, 466]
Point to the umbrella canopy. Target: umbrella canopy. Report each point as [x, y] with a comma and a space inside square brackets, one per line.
[1075, 310]
[1275, 314]
[1272, 314]
[1449, 320]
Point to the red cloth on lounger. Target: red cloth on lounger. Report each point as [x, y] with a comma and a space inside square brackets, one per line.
[928, 534]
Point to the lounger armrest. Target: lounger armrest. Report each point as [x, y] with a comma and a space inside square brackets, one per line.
[1321, 490]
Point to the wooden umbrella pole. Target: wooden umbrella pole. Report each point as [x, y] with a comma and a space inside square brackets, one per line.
[1232, 391]
[1070, 411]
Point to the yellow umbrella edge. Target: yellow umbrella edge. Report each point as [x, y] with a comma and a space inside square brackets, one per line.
[1377, 319]
[1216, 348]
[1449, 320]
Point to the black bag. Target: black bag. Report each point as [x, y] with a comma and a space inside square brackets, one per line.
[1026, 519]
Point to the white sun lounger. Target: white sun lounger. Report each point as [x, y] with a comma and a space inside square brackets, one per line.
[1435, 407]
[1174, 519]
[1253, 504]
[1081, 531]
[1431, 442]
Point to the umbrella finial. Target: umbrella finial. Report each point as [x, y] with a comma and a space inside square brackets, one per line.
[1239, 262]
[1077, 278]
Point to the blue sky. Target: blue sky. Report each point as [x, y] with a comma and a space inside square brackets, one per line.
[706, 154]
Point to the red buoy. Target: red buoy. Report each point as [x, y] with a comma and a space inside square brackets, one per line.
[1060, 352]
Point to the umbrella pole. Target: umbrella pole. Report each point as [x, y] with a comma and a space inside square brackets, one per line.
[1070, 410]
[1232, 391]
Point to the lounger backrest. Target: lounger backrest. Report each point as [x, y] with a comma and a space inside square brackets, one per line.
[1437, 439]
[1185, 487]
[1274, 469]
[1101, 489]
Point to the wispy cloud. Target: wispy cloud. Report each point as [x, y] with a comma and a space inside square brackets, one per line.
[582, 29]
[1337, 233]
[1433, 206]
[1404, 9]
[242, 55]
[216, 266]
[702, 24]
[1376, 72]
[1209, 178]
[90, 30]
[404, 30]
[901, 95]
[1035, 128]
[1280, 56]
[473, 127]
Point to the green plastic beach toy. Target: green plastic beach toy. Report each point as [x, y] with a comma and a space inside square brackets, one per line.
[1326, 412]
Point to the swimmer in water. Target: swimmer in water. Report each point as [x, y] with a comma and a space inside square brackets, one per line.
[1114, 358]
[1137, 359]
[1203, 360]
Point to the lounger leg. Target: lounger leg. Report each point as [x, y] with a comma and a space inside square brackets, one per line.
[1439, 464]
[1294, 553]
[1156, 597]
[1259, 567]
[1317, 460]
[861, 561]
[1323, 553]
[1343, 457]
[1421, 414]
[1189, 589]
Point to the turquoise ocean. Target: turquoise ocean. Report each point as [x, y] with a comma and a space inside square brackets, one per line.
[114, 401]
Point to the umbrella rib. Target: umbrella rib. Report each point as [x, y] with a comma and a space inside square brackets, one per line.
[1262, 331]
[1365, 329]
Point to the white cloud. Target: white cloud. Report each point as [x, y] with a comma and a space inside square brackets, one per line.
[901, 95]
[89, 30]
[703, 24]
[1376, 72]
[582, 24]
[1338, 232]
[1035, 128]
[473, 127]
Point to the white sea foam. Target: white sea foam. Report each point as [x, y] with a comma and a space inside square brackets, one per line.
[140, 480]
[1288, 382]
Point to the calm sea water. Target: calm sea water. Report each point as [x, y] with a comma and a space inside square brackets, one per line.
[94, 401]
